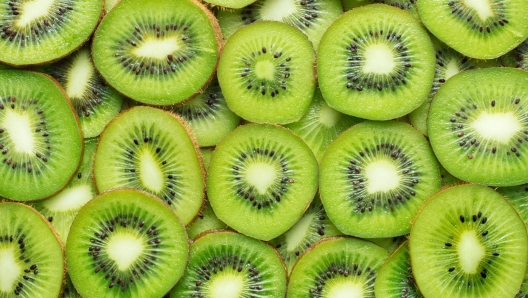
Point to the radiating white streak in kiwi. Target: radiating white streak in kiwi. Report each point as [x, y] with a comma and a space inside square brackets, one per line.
[79, 75]
[278, 10]
[9, 267]
[32, 11]
[483, 8]
[497, 126]
[158, 48]
[125, 249]
[18, 127]
[379, 59]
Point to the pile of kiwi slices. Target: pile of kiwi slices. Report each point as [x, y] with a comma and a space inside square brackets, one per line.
[264, 148]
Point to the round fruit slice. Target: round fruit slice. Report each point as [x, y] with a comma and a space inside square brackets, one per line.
[149, 149]
[478, 126]
[375, 62]
[337, 267]
[31, 255]
[265, 176]
[125, 243]
[468, 241]
[41, 143]
[158, 52]
[227, 264]
[375, 177]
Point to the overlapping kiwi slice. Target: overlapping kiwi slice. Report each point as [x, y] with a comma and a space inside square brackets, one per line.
[375, 62]
[228, 265]
[31, 255]
[478, 126]
[126, 243]
[229, 3]
[151, 150]
[265, 176]
[158, 52]
[41, 143]
[374, 178]
[468, 241]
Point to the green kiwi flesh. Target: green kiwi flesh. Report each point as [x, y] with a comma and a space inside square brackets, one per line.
[229, 3]
[126, 243]
[226, 264]
[518, 197]
[41, 143]
[32, 260]
[158, 43]
[69, 290]
[150, 149]
[478, 126]
[390, 244]
[265, 175]
[468, 241]
[375, 176]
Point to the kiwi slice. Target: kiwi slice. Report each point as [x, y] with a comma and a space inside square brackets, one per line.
[481, 30]
[31, 255]
[95, 102]
[149, 149]
[41, 143]
[69, 290]
[478, 126]
[267, 73]
[229, 3]
[61, 209]
[517, 57]
[159, 52]
[407, 5]
[518, 197]
[312, 17]
[126, 243]
[468, 241]
[228, 264]
[208, 116]
[321, 125]
[265, 175]
[375, 176]
[375, 62]
[395, 277]
[351, 4]
[337, 267]
[390, 243]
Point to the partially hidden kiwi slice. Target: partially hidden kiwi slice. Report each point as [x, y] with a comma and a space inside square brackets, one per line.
[41, 143]
[389, 243]
[69, 290]
[375, 62]
[375, 176]
[478, 126]
[226, 264]
[267, 73]
[149, 149]
[468, 241]
[229, 3]
[337, 267]
[159, 52]
[126, 243]
[518, 197]
[263, 174]
[32, 260]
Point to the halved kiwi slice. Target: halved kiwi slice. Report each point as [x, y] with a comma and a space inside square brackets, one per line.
[468, 241]
[41, 143]
[227, 264]
[267, 72]
[158, 52]
[337, 267]
[149, 149]
[478, 126]
[375, 177]
[263, 174]
[126, 243]
[32, 260]
[375, 62]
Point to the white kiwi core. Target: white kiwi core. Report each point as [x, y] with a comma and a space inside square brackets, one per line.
[226, 286]
[499, 127]
[124, 250]
[346, 290]
[157, 48]
[32, 11]
[18, 127]
[298, 232]
[381, 176]
[451, 68]
[10, 270]
[379, 59]
[277, 10]
[261, 176]
[265, 69]
[328, 116]
[71, 198]
[470, 252]
[79, 75]
[150, 173]
[481, 7]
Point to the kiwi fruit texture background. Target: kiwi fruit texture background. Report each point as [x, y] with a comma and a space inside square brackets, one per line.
[264, 148]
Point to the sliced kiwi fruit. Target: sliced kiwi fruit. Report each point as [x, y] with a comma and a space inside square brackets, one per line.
[208, 116]
[518, 197]
[69, 290]
[390, 243]
[337, 267]
[517, 57]
[482, 30]
[32, 260]
[267, 73]
[375, 176]
[159, 52]
[234, 4]
[61, 209]
[41, 143]
[312, 17]
[126, 243]
[263, 174]
[351, 4]
[151, 150]
[478, 126]
[310, 228]
[468, 241]
[395, 277]
[321, 125]
[448, 179]
[375, 62]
